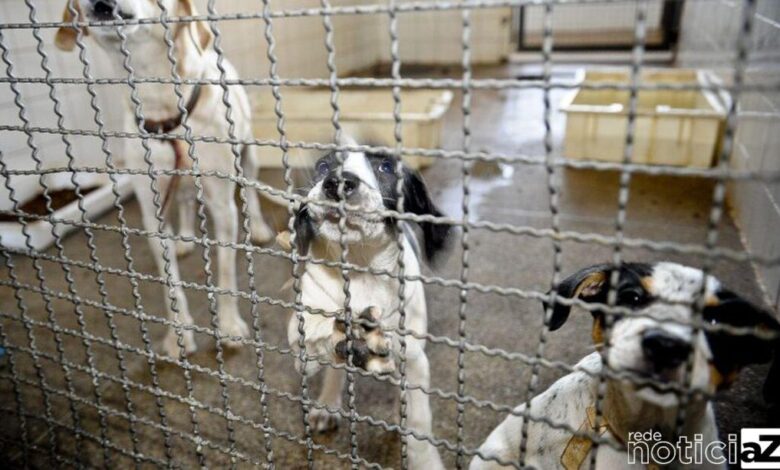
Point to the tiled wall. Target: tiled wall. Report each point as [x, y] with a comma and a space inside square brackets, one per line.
[605, 23]
[709, 36]
[435, 37]
[300, 41]
[361, 41]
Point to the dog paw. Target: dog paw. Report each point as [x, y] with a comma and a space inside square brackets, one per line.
[322, 420]
[261, 232]
[370, 348]
[235, 327]
[170, 345]
[184, 248]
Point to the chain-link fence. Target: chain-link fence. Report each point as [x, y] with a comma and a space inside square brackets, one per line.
[101, 369]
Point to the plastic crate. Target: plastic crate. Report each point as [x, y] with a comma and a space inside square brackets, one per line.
[679, 127]
[365, 114]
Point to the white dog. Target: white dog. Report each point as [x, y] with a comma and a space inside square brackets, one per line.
[369, 185]
[206, 116]
[655, 344]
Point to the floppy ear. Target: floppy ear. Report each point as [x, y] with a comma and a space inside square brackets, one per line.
[732, 352]
[66, 36]
[589, 284]
[198, 32]
[304, 230]
[418, 201]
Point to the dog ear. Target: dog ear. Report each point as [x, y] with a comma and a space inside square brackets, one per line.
[199, 32]
[66, 36]
[732, 352]
[417, 200]
[304, 230]
[589, 284]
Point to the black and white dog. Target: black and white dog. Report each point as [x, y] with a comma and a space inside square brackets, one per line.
[653, 342]
[369, 185]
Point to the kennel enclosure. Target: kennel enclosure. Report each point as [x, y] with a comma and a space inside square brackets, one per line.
[82, 380]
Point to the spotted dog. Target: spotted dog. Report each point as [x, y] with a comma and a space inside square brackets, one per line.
[369, 185]
[653, 344]
[195, 59]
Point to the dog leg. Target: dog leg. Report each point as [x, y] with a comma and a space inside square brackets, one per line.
[170, 345]
[222, 208]
[261, 232]
[322, 420]
[422, 454]
[185, 202]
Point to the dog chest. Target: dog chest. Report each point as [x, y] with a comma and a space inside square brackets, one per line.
[326, 291]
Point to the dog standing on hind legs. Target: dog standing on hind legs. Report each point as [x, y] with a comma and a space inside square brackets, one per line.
[195, 59]
[369, 185]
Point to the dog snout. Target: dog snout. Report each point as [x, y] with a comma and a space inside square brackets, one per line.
[330, 186]
[106, 10]
[663, 350]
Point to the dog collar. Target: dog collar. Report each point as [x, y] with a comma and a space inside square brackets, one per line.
[579, 446]
[167, 125]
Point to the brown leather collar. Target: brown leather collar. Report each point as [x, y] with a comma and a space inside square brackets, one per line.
[167, 125]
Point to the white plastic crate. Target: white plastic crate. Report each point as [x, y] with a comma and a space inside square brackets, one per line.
[364, 113]
[672, 127]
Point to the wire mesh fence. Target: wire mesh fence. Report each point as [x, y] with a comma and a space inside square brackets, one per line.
[102, 369]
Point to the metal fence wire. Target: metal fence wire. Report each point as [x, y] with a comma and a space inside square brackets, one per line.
[84, 380]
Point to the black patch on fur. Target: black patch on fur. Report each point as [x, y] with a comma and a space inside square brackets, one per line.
[630, 292]
[772, 383]
[360, 352]
[732, 352]
[418, 201]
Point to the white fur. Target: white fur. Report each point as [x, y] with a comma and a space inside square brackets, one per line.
[630, 407]
[159, 102]
[371, 245]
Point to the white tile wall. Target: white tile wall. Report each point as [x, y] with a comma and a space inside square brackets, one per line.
[709, 38]
[435, 37]
[595, 17]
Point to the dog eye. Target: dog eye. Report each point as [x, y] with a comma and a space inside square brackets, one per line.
[631, 298]
[322, 167]
[387, 166]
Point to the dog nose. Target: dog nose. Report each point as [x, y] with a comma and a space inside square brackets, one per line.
[331, 185]
[663, 350]
[104, 8]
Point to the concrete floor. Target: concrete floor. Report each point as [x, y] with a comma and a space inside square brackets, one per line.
[660, 208]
